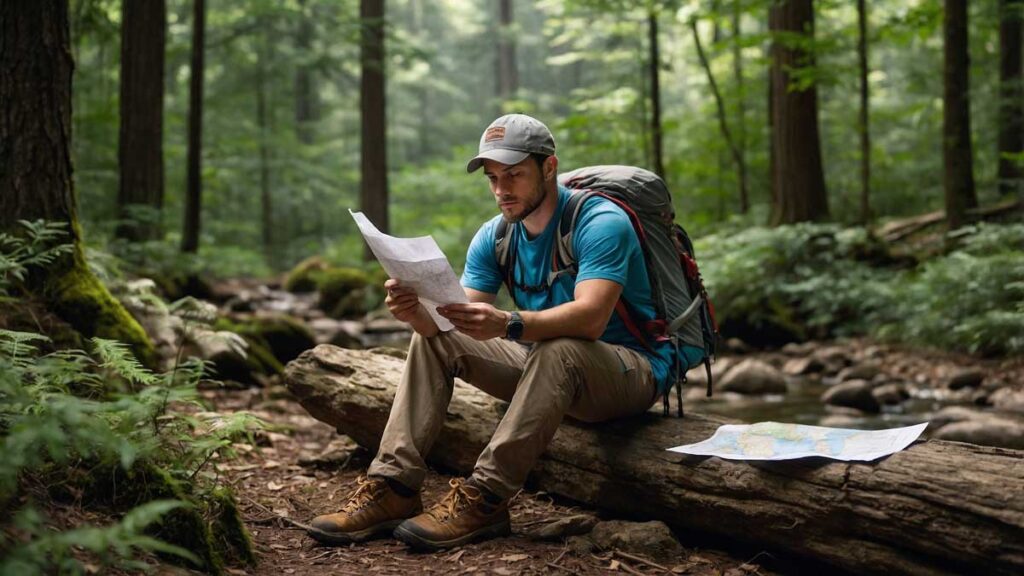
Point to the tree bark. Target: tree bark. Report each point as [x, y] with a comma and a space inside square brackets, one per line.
[194, 187]
[263, 124]
[35, 165]
[957, 155]
[741, 100]
[863, 126]
[374, 166]
[307, 103]
[797, 176]
[723, 124]
[140, 147]
[934, 508]
[1011, 102]
[654, 63]
[508, 72]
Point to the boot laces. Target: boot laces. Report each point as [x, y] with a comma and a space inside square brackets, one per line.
[458, 499]
[364, 494]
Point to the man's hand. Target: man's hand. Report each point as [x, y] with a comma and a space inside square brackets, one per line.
[479, 320]
[402, 301]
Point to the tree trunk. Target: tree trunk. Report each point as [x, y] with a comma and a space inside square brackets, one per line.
[508, 72]
[374, 189]
[140, 147]
[194, 191]
[307, 104]
[654, 61]
[1011, 102]
[934, 508]
[262, 123]
[797, 176]
[741, 103]
[863, 126]
[35, 165]
[958, 159]
[723, 124]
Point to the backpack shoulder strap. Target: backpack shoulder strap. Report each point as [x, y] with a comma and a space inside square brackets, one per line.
[505, 254]
[564, 257]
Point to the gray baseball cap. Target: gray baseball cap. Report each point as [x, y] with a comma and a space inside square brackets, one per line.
[511, 138]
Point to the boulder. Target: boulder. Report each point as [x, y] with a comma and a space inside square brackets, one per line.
[1008, 399]
[752, 376]
[890, 394]
[965, 378]
[804, 365]
[863, 371]
[699, 377]
[852, 394]
[986, 430]
[649, 539]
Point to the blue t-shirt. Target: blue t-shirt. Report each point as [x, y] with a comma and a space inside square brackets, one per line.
[605, 246]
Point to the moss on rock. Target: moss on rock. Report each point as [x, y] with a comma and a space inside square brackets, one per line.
[78, 297]
[229, 532]
[302, 278]
[343, 292]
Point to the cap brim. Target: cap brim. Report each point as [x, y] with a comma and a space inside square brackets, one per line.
[501, 155]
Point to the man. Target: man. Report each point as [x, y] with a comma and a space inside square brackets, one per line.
[564, 353]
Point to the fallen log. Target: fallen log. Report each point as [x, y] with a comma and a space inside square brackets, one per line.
[935, 508]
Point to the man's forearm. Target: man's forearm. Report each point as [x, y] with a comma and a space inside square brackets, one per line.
[423, 324]
[570, 320]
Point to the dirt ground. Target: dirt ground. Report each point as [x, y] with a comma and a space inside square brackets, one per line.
[275, 491]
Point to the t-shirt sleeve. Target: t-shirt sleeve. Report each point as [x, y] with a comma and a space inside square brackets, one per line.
[481, 272]
[603, 241]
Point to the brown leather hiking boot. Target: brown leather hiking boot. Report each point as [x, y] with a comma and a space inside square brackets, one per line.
[462, 516]
[374, 509]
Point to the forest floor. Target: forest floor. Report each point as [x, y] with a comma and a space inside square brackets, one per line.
[274, 491]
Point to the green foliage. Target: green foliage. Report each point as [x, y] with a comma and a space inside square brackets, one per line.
[814, 280]
[39, 246]
[343, 291]
[70, 410]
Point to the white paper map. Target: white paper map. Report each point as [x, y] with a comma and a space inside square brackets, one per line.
[418, 263]
[778, 441]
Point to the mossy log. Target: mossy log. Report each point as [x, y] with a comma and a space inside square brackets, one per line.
[935, 508]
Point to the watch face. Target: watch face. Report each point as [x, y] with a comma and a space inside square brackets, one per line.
[514, 328]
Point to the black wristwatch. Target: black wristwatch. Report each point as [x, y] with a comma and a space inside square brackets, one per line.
[514, 327]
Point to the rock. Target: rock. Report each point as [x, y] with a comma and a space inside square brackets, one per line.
[799, 349]
[805, 365]
[853, 394]
[965, 378]
[753, 376]
[952, 414]
[649, 539]
[699, 377]
[737, 346]
[580, 545]
[890, 394]
[562, 528]
[343, 339]
[864, 371]
[987, 430]
[1008, 399]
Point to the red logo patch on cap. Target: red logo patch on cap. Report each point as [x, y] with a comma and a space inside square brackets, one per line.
[494, 133]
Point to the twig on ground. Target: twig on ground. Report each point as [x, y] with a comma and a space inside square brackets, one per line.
[560, 567]
[285, 518]
[641, 560]
[627, 568]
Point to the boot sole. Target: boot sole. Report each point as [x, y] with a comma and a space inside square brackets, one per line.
[341, 538]
[420, 543]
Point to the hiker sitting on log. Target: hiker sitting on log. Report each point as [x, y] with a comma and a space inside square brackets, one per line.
[567, 352]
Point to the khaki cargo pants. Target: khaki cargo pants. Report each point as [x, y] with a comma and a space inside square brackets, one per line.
[590, 381]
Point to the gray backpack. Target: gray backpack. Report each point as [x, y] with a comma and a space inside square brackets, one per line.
[683, 312]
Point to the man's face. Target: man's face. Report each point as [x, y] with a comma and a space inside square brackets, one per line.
[518, 188]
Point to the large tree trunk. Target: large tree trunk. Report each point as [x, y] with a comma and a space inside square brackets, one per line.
[935, 508]
[35, 165]
[374, 167]
[307, 103]
[741, 101]
[263, 124]
[797, 176]
[654, 63]
[956, 149]
[863, 126]
[508, 71]
[194, 187]
[1011, 98]
[140, 148]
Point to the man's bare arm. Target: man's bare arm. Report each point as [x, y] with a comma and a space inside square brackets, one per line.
[585, 317]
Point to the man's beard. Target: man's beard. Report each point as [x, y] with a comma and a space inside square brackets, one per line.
[540, 193]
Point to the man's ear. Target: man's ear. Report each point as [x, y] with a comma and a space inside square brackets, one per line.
[550, 167]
